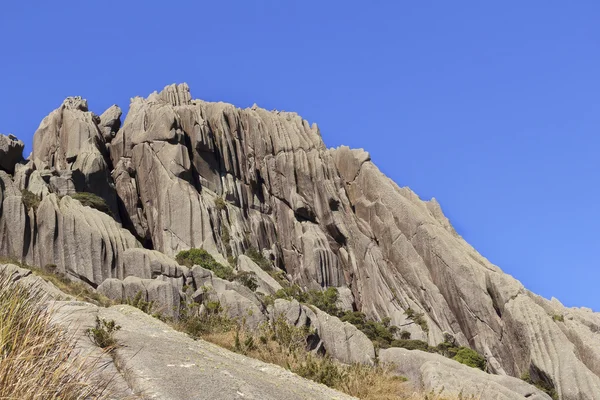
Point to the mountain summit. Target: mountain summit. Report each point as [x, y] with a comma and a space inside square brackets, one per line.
[181, 174]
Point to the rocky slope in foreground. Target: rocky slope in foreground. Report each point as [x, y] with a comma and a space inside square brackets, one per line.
[327, 217]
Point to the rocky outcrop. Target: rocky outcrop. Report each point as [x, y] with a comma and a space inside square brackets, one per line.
[82, 242]
[266, 283]
[433, 373]
[433, 270]
[158, 362]
[34, 283]
[110, 122]
[237, 301]
[157, 296]
[182, 173]
[340, 340]
[11, 152]
[69, 139]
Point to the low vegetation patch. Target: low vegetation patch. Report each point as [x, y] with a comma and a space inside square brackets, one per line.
[140, 303]
[259, 259]
[220, 203]
[38, 359]
[247, 279]
[103, 334]
[382, 333]
[542, 385]
[558, 318]
[92, 200]
[201, 257]
[417, 318]
[30, 200]
[285, 345]
[77, 290]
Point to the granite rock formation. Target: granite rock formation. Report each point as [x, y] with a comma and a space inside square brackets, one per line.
[180, 173]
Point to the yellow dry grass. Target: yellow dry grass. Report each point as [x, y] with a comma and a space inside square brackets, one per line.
[38, 359]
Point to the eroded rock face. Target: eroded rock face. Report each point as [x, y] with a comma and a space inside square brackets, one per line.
[433, 373]
[110, 122]
[11, 152]
[69, 139]
[341, 340]
[182, 173]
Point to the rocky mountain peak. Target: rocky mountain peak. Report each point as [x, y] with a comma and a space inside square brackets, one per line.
[179, 173]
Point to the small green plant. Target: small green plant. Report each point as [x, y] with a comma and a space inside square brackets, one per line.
[540, 384]
[410, 344]
[103, 334]
[92, 200]
[418, 318]
[138, 302]
[232, 261]
[201, 257]
[220, 203]
[381, 333]
[247, 279]
[198, 323]
[225, 239]
[558, 318]
[30, 200]
[470, 357]
[259, 259]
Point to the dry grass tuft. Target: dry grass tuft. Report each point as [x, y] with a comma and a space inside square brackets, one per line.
[38, 359]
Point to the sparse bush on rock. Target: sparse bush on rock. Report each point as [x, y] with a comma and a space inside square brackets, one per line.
[201, 257]
[30, 200]
[103, 334]
[92, 200]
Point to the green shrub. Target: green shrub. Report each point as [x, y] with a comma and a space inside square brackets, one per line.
[225, 239]
[410, 344]
[232, 261]
[324, 300]
[30, 200]
[220, 203]
[558, 318]
[290, 292]
[212, 320]
[417, 318]
[247, 279]
[381, 333]
[259, 259]
[201, 257]
[103, 334]
[93, 201]
[138, 302]
[540, 384]
[470, 357]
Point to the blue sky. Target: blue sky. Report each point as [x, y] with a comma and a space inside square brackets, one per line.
[491, 107]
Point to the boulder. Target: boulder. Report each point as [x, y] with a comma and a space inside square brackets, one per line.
[266, 283]
[160, 296]
[433, 373]
[11, 152]
[237, 301]
[110, 122]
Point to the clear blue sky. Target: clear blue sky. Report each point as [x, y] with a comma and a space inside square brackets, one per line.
[493, 107]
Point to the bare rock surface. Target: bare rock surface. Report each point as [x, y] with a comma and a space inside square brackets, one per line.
[162, 363]
[434, 373]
